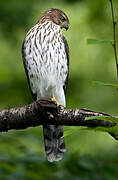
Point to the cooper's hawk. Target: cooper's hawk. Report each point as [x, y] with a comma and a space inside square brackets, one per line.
[46, 60]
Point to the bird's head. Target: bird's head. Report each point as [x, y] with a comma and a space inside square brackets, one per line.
[56, 16]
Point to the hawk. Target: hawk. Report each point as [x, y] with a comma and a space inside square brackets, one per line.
[46, 60]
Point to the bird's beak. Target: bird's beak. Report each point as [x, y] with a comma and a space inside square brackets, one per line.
[67, 27]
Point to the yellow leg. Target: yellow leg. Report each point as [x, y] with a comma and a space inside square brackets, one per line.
[55, 101]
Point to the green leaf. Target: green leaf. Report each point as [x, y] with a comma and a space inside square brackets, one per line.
[113, 130]
[104, 118]
[70, 130]
[101, 129]
[95, 41]
[99, 83]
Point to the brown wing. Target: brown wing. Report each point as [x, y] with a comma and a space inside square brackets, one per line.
[67, 54]
[34, 96]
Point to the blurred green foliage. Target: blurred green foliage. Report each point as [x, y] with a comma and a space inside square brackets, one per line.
[90, 155]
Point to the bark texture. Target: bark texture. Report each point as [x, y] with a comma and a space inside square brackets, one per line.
[47, 113]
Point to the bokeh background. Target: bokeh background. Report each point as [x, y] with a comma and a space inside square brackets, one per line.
[90, 155]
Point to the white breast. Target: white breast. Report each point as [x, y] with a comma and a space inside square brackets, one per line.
[46, 61]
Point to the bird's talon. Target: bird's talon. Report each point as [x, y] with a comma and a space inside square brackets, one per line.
[56, 102]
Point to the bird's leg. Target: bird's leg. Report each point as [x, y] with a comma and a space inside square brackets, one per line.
[56, 102]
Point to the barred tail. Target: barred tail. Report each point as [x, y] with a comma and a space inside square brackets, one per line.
[54, 143]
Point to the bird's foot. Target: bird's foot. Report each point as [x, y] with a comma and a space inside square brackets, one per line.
[56, 102]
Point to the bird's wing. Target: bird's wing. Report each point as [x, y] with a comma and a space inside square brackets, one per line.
[67, 55]
[25, 60]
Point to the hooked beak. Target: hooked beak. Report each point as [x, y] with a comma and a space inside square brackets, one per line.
[66, 27]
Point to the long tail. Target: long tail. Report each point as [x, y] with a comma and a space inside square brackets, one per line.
[54, 142]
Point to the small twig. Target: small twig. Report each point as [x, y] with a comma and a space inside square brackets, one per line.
[114, 36]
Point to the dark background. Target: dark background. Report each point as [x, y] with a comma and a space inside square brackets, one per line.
[90, 155]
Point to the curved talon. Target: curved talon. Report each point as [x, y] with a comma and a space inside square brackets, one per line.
[56, 102]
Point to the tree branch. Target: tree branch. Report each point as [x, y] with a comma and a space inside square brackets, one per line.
[46, 112]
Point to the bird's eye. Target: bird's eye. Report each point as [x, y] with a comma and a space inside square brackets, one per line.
[63, 18]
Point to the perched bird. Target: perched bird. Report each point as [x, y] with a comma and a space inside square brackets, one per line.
[46, 60]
